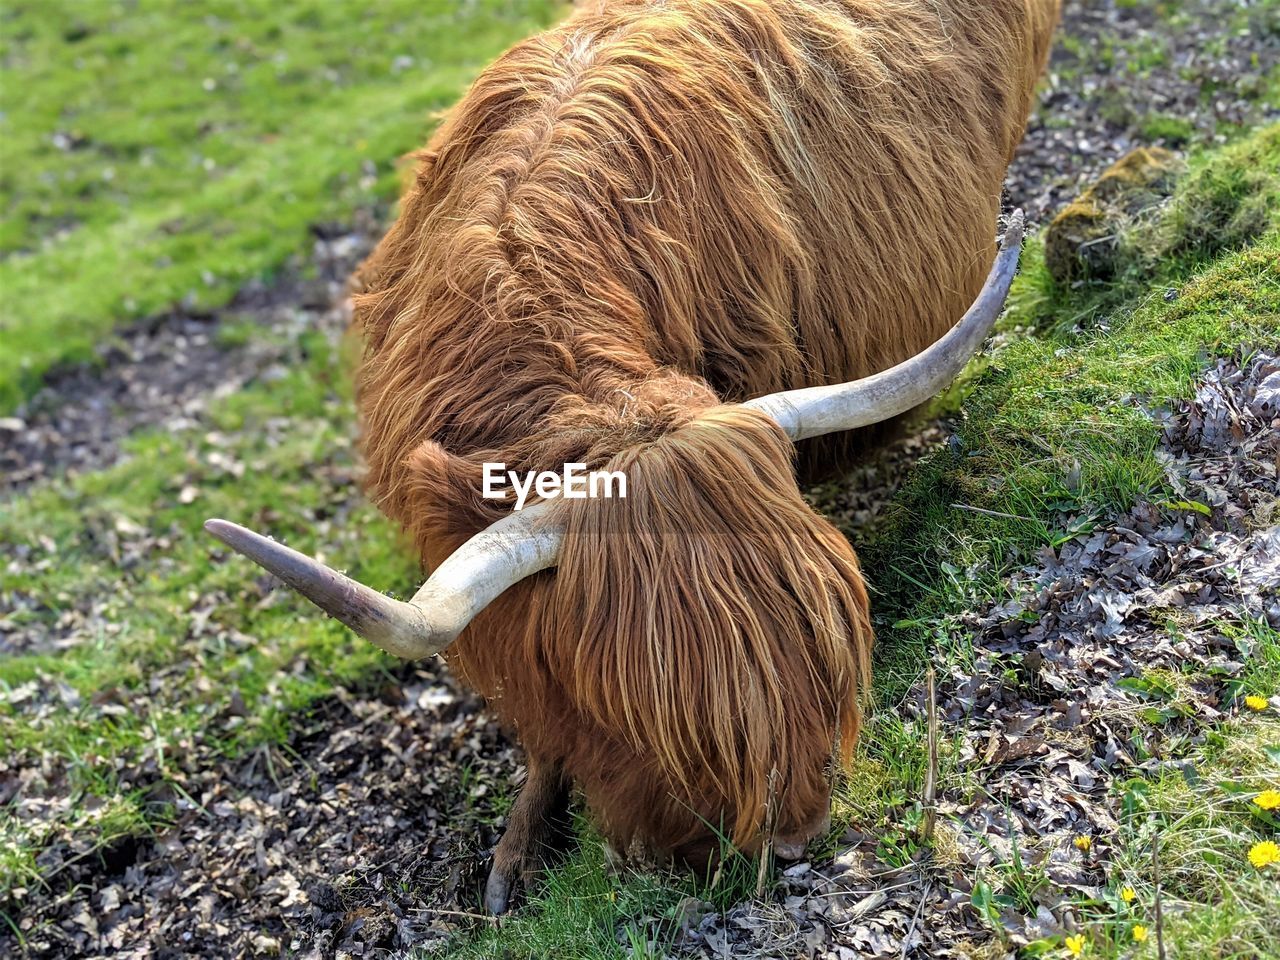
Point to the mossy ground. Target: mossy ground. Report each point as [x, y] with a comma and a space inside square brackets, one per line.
[1055, 436]
[1085, 241]
[167, 153]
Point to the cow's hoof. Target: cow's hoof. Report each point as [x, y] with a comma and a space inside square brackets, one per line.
[497, 892]
[538, 824]
[510, 877]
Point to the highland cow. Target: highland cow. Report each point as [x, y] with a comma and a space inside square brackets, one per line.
[673, 239]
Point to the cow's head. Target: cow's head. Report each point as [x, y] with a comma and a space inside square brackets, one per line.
[707, 577]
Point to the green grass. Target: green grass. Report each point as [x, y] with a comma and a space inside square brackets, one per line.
[1167, 129]
[166, 154]
[1136, 56]
[579, 913]
[61, 708]
[586, 912]
[1205, 822]
[1055, 436]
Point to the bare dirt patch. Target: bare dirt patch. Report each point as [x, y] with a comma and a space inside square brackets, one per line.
[364, 833]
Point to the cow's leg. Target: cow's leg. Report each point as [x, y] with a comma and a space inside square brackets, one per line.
[539, 818]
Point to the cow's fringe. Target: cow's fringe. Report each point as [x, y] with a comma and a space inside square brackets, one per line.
[718, 626]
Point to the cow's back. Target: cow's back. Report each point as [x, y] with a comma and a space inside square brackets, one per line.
[763, 193]
[827, 175]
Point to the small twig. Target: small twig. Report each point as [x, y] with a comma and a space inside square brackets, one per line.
[871, 901]
[930, 819]
[1155, 868]
[1109, 238]
[770, 819]
[715, 877]
[462, 913]
[991, 513]
[915, 921]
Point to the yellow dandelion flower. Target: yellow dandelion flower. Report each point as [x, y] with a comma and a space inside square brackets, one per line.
[1264, 854]
[1255, 702]
[1127, 894]
[1268, 799]
[1083, 843]
[1139, 933]
[1075, 944]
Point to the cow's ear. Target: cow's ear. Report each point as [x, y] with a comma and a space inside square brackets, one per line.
[424, 170]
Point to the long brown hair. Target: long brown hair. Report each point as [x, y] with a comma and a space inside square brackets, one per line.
[629, 221]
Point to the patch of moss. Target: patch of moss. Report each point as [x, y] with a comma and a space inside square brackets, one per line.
[1226, 203]
[1126, 183]
[1074, 245]
[1084, 241]
[1172, 131]
[1106, 251]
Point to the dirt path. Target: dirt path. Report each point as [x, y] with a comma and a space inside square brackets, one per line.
[1120, 76]
[164, 373]
[378, 813]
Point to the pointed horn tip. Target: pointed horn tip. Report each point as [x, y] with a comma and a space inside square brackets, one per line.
[246, 542]
[1017, 223]
[217, 527]
[232, 534]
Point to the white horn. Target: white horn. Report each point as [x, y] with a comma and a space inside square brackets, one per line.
[815, 411]
[522, 543]
[518, 545]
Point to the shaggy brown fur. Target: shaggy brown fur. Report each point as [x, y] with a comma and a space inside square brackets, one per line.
[653, 210]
